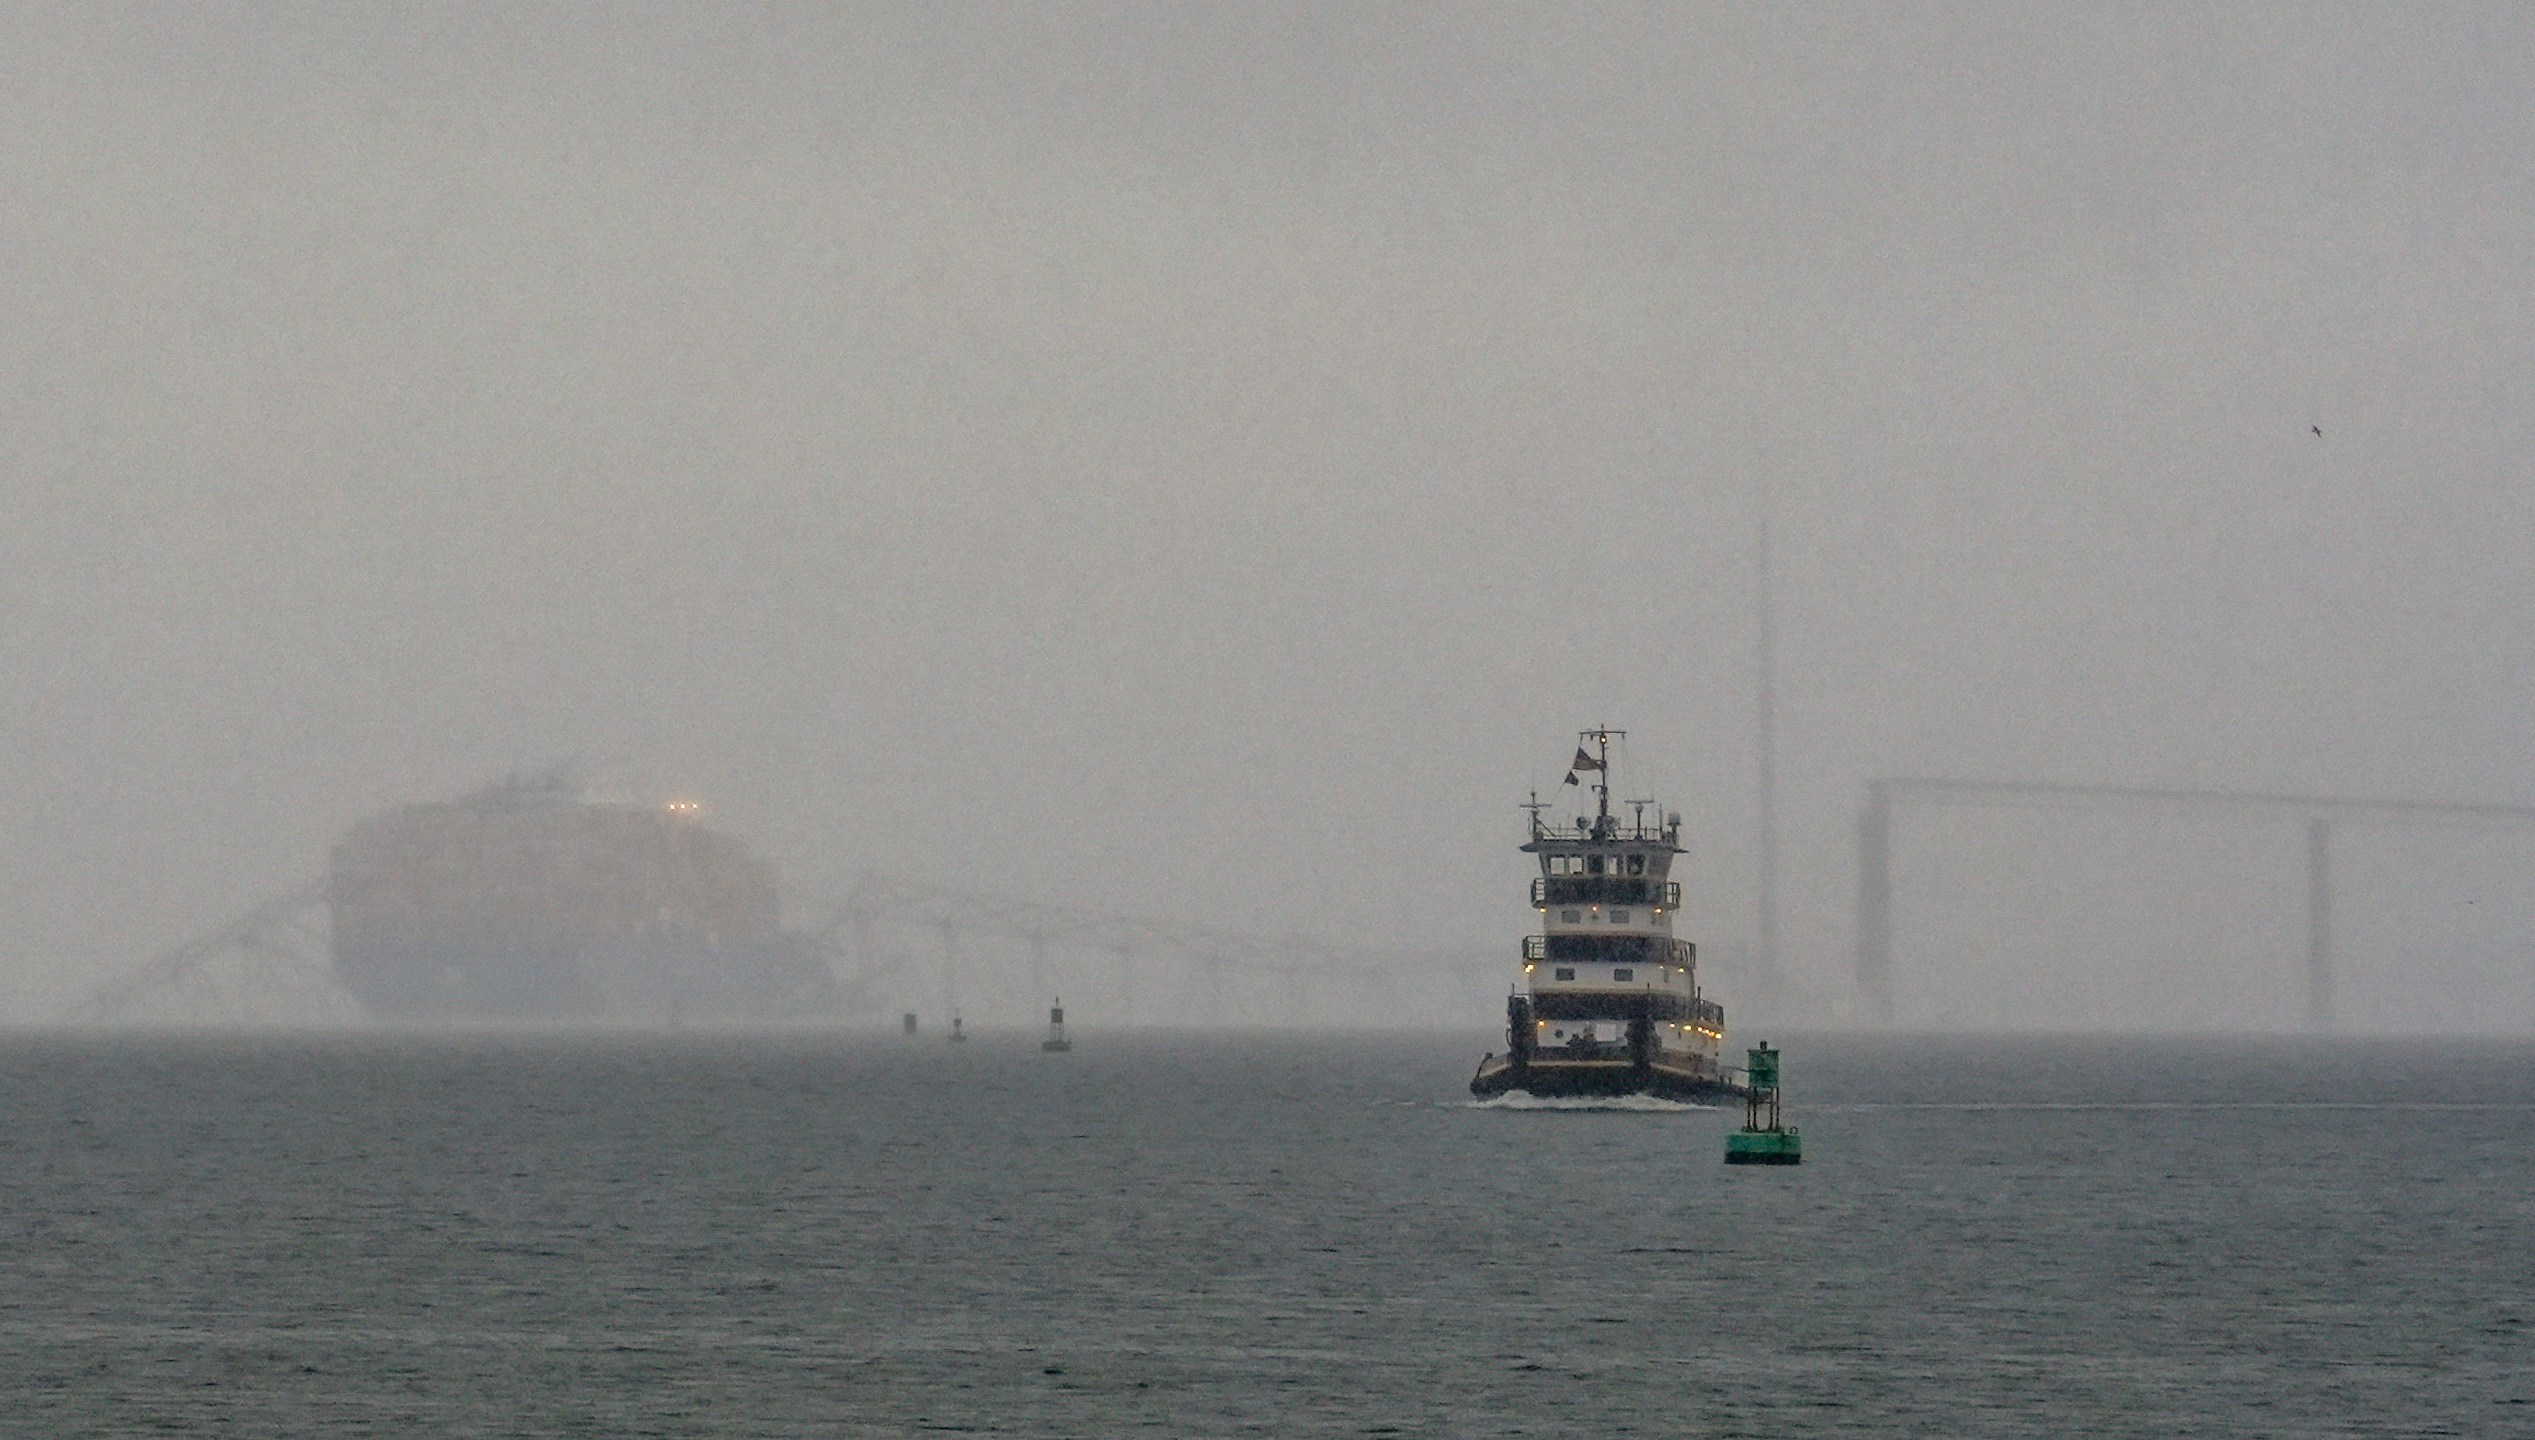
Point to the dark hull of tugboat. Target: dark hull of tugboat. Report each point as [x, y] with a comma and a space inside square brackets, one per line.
[1559, 1077]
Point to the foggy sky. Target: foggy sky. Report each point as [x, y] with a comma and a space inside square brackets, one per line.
[1207, 461]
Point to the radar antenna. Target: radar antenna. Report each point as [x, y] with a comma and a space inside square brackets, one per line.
[1535, 805]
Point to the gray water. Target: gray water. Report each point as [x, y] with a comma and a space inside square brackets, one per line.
[1189, 1237]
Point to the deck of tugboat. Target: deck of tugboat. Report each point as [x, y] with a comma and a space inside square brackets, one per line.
[1558, 1075]
[1575, 1002]
[1610, 829]
[1602, 889]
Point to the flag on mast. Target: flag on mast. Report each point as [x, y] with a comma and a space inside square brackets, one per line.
[1582, 761]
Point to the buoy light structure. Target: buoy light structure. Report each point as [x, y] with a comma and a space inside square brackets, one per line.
[1763, 1140]
[1056, 1043]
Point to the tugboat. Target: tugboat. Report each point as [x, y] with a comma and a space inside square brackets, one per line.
[1609, 1001]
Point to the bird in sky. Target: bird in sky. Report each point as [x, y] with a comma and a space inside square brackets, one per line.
[2318, 429]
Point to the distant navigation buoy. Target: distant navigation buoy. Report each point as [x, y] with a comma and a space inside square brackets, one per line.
[1056, 1041]
[957, 1034]
[906, 1023]
[1763, 1140]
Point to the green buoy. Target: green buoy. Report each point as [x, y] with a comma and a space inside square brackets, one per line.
[1762, 1140]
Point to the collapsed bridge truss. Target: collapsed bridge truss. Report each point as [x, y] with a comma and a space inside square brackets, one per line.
[896, 947]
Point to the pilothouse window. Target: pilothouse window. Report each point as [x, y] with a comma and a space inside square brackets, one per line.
[1592, 864]
[1623, 974]
[1636, 864]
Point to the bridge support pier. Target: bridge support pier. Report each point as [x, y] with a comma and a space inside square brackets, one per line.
[2319, 925]
[1874, 905]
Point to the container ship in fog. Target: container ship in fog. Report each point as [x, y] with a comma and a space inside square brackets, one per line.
[527, 901]
[1609, 1000]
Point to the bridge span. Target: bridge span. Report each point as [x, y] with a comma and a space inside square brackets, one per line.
[896, 947]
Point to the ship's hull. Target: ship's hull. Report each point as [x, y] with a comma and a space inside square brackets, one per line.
[1559, 1077]
[493, 977]
[526, 903]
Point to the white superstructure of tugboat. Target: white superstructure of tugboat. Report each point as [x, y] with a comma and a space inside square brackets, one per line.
[1609, 1000]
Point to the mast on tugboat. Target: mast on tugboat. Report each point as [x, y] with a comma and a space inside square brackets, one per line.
[1602, 778]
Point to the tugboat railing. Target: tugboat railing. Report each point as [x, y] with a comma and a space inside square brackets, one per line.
[1548, 890]
[1656, 951]
[1613, 828]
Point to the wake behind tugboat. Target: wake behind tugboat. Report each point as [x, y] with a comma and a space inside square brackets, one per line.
[1609, 1002]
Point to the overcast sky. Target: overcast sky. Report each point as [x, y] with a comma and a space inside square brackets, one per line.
[1207, 461]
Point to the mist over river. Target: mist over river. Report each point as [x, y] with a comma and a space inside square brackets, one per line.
[1190, 1235]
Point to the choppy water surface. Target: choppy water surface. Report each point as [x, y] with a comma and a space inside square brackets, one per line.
[1179, 1237]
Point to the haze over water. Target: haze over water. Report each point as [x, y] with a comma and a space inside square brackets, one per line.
[1203, 463]
[1209, 459]
[1198, 1237]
